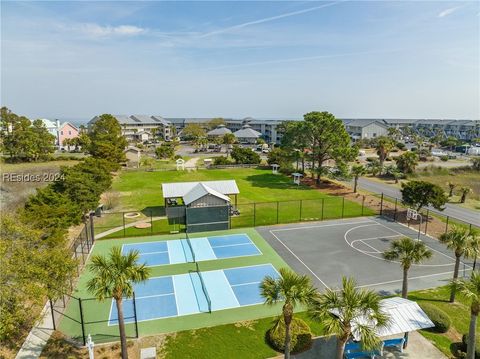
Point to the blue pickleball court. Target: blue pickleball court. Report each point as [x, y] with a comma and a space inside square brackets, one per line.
[196, 249]
[191, 293]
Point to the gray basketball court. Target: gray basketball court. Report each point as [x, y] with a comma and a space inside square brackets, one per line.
[328, 250]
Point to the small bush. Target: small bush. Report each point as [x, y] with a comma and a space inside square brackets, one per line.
[400, 145]
[300, 332]
[111, 200]
[463, 347]
[441, 319]
[444, 158]
[222, 160]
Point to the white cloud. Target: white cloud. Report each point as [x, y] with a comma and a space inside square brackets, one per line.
[96, 30]
[448, 11]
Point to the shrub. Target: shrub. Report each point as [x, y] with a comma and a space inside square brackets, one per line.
[300, 332]
[463, 347]
[441, 319]
[111, 199]
[245, 155]
[222, 160]
[444, 158]
[400, 145]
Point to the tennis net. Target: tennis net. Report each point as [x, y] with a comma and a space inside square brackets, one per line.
[204, 289]
[190, 246]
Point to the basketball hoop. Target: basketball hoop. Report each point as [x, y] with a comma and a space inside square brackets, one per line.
[411, 214]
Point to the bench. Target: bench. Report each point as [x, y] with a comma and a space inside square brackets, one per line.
[397, 343]
[354, 350]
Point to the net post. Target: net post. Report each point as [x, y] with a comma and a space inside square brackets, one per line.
[343, 207]
[381, 205]
[254, 214]
[278, 203]
[300, 214]
[82, 321]
[135, 315]
[395, 213]
[52, 312]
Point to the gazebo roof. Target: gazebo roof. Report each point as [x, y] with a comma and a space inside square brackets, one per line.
[247, 132]
[219, 131]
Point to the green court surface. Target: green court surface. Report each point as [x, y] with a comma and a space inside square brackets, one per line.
[96, 314]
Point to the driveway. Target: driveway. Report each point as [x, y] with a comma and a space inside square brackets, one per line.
[464, 214]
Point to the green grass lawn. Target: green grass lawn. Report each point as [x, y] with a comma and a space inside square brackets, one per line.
[276, 198]
[97, 313]
[459, 313]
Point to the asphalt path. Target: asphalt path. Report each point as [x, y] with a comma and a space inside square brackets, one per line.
[452, 210]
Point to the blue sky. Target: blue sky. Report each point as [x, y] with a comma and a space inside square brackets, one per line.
[235, 59]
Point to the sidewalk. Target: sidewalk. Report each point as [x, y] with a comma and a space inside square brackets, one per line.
[38, 336]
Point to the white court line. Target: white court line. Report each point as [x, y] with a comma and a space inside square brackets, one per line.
[238, 285]
[350, 244]
[231, 245]
[155, 295]
[372, 238]
[368, 245]
[316, 276]
[318, 226]
[409, 278]
[231, 289]
[433, 249]
[174, 293]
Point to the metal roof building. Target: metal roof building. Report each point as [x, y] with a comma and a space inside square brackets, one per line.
[180, 189]
[219, 131]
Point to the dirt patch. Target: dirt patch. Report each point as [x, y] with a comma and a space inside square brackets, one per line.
[246, 324]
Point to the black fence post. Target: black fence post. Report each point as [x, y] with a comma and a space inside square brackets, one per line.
[135, 315]
[278, 204]
[300, 216]
[151, 221]
[446, 225]
[381, 205]
[363, 204]
[82, 321]
[53, 314]
[343, 207]
[395, 213]
[92, 226]
[123, 218]
[426, 221]
[254, 214]
[323, 205]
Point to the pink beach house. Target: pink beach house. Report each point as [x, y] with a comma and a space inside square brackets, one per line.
[66, 130]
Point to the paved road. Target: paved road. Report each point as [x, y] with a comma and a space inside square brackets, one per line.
[464, 214]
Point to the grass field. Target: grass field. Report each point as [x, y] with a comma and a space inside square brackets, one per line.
[98, 312]
[459, 313]
[141, 191]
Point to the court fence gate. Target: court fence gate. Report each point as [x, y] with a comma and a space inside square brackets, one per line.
[76, 318]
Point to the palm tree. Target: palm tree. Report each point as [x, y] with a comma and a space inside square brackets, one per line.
[383, 145]
[464, 191]
[407, 162]
[451, 187]
[459, 240]
[357, 171]
[374, 167]
[114, 276]
[347, 310]
[470, 290]
[229, 139]
[407, 252]
[293, 290]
